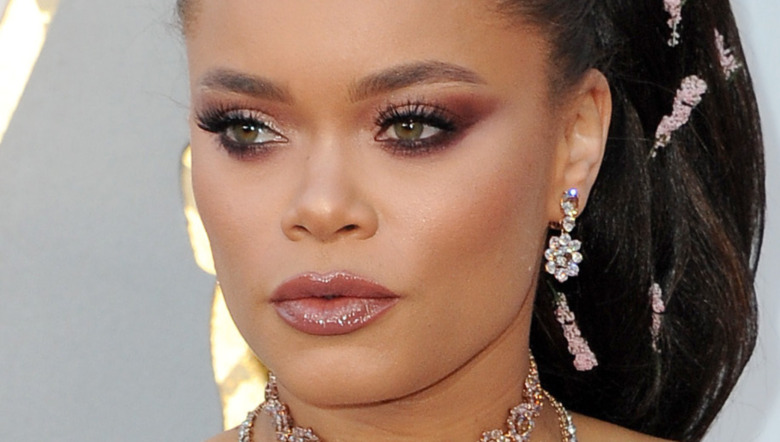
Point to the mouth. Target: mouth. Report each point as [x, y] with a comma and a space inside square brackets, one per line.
[331, 304]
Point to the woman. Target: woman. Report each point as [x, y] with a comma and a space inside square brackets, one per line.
[379, 180]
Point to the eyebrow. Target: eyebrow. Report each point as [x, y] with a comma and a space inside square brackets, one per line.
[424, 72]
[397, 77]
[232, 81]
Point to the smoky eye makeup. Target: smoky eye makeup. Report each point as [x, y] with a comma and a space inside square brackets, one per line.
[408, 128]
[415, 127]
[243, 133]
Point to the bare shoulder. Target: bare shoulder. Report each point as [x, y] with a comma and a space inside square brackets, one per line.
[590, 429]
[227, 436]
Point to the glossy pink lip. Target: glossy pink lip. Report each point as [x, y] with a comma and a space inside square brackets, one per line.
[332, 304]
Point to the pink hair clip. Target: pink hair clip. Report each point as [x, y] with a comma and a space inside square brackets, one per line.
[584, 359]
[674, 8]
[728, 62]
[688, 97]
[656, 297]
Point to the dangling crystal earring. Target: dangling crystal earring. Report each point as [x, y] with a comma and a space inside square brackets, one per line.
[563, 258]
[563, 255]
[584, 359]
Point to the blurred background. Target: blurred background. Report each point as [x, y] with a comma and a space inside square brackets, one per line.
[104, 312]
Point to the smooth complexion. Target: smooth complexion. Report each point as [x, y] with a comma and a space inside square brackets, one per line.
[414, 144]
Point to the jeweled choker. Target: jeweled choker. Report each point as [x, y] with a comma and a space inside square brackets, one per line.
[520, 423]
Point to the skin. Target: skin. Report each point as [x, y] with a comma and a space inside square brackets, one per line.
[456, 231]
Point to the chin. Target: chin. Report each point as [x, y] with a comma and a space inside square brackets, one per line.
[344, 381]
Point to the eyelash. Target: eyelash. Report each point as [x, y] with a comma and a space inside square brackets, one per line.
[219, 120]
[419, 112]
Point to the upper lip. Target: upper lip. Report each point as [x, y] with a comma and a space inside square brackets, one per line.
[334, 284]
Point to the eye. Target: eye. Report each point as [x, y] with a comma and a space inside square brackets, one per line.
[415, 128]
[411, 130]
[241, 132]
[251, 132]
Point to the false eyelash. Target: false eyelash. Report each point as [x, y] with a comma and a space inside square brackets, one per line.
[425, 113]
[419, 111]
[217, 120]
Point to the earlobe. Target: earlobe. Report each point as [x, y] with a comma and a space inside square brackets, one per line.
[584, 139]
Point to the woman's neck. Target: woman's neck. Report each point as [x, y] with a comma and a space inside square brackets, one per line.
[474, 398]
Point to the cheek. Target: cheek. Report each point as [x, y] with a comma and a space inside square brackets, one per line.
[212, 195]
[476, 250]
[488, 213]
[231, 210]
[490, 235]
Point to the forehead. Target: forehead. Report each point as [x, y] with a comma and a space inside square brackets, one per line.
[329, 39]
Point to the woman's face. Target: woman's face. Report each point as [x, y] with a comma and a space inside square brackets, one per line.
[407, 143]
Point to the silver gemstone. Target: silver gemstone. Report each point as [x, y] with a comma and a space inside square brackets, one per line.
[569, 223]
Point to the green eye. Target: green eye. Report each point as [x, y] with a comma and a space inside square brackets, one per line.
[408, 130]
[251, 133]
[415, 128]
[411, 131]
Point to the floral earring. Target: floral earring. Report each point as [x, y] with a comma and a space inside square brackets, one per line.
[563, 258]
[563, 255]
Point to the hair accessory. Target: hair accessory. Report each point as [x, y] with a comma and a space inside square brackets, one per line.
[674, 8]
[521, 420]
[563, 254]
[728, 62]
[656, 297]
[687, 98]
[584, 359]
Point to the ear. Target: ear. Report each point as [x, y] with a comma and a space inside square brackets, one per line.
[587, 111]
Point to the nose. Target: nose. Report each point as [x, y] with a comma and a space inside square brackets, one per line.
[329, 204]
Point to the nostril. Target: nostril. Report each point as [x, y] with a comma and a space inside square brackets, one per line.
[349, 228]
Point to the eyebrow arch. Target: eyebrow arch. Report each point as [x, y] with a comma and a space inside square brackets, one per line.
[233, 81]
[398, 77]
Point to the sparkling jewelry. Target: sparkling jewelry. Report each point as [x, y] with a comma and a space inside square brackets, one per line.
[563, 259]
[728, 63]
[657, 302]
[563, 254]
[286, 431]
[688, 96]
[520, 423]
[674, 9]
[522, 418]
[584, 358]
[568, 430]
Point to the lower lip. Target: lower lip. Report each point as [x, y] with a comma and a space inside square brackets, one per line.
[337, 316]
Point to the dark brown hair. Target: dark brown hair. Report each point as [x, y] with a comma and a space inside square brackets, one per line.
[690, 219]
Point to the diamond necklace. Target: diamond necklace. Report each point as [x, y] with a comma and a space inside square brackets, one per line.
[520, 423]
